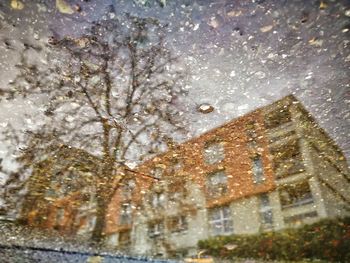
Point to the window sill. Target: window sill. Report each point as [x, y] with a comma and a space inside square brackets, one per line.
[259, 182]
[301, 203]
[179, 232]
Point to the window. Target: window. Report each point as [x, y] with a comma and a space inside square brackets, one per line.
[91, 223]
[88, 224]
[70, 181]
[220, 221]
[177, 164]
[277, 117]
[287, 159]
[282, 136]
[124, 238]
[50, 193]
[54, 189]
[251, 130]
[155, 229]
[158, 200]
[295, 195]
[177, 189]
[266, 215]
[217, 183]
[158, 171]
[176, 196]
[60, 216]
[125, 214]
[63, 183]
[258, 170]
[112, 240]
[214, 153]
[297, 219]
[127, 189]
[177, 224]
[251, 134]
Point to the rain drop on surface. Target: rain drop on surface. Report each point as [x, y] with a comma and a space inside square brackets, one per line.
[205, 108]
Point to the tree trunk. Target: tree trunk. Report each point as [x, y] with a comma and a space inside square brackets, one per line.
[104, 195]
[98, 232]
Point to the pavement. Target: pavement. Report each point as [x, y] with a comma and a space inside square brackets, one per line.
[20, 244]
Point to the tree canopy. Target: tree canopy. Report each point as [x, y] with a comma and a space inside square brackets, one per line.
[112, 91]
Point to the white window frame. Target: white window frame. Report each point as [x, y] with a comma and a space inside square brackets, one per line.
[126, 211]
[125, 242]
[258, 172]
[128, 188]
[214, 153]
[60, 216]
[264, 209]
[222, 182]
[180, 225]
[299, 201]
[158, 200]
[89, 225]
[220, 221]
[158, 171]
[155, 229]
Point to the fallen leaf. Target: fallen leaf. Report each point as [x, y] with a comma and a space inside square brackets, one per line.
[205, 108]
[77, 8]
[265, 29]
[162, 3]
[82, 42]
[213, 22]
[230, 246]
[64, 7]
[323, 5]
[16, 4]
[304, 17]
[234, 13]
[196, 26]
[316, 42]
[52, 40]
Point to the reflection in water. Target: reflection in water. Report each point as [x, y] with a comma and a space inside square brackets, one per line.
[114, 92]
[200, 199]
[117, 148]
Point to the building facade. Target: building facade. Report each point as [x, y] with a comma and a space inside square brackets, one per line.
[270, 169]
[61, 194]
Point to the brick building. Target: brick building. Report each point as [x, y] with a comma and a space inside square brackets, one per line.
[269, 169]
[60, 192]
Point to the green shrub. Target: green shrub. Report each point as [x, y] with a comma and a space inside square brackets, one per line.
[327, 240]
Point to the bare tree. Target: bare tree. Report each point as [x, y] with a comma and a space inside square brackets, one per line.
[113, 90]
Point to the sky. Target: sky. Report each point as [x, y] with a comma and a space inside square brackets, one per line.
[240, 54]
